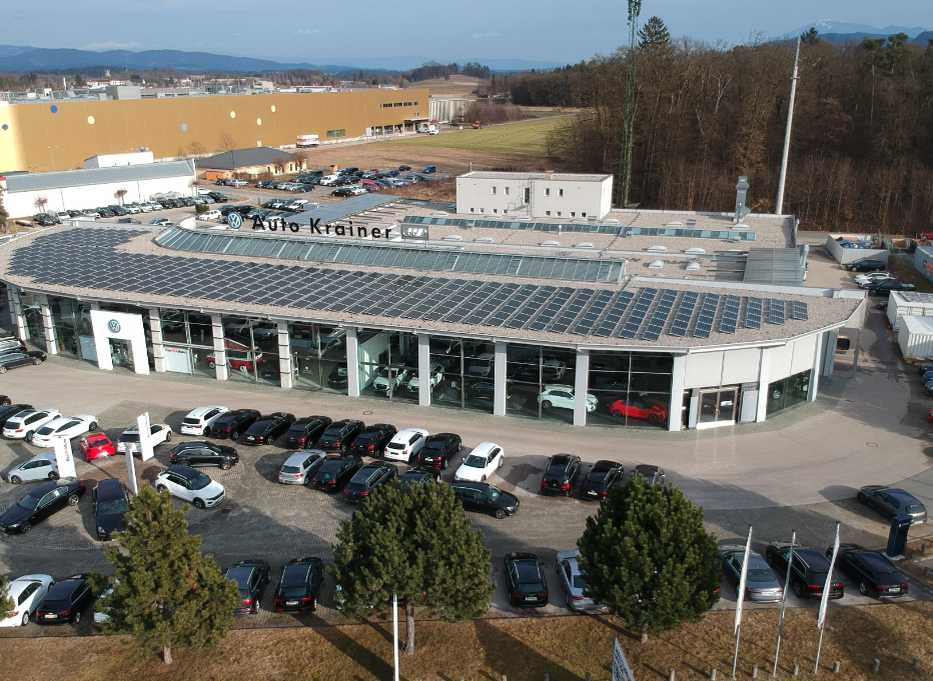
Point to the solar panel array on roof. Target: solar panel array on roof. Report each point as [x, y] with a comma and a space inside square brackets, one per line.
[572, 311]
[551, 309]
[753, 313]
[590, 228]
[690, 233]
[704, 323]
[659, 318]
[531, 307]
[730, 314]
[685, 310]
[799, 310]
[588, 318]
[487, 308]
[775, 311]
[612, 318]
[637, 316]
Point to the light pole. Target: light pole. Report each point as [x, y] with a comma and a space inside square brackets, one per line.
[52, 150]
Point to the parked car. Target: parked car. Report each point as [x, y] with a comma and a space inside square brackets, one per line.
[884, 287]
[339, 435]
[562, 396]
[298, 587]
[882, 305]
[65, 601]
[653, 474]
[39, 467]
[892, 502]
[872, 278]
[577, 598]
[190, 485]
[111, 503]
[25, 593]
[210, 215]
[390, 379]
[406, 444]
[761, 585]
[373, 439]
[96, 445]
[560, 474]
[67, 426]
[199, 421]
[479, 464]
[305, 431]
[12, 360]
[233, 423]
[266, 429]
[525, 580]
[639, 408]
[435, 378]
[251, 577]
[24, 425]
[420, 475]
[602, 477]
[301, 466]
[336, 471]
[129, 439]
[866, 265]
[366, 479]
[201, 453]
[40, 503]
[808, 572]
[438, 450]
[871, 571]
[430, 169]
[484, 390]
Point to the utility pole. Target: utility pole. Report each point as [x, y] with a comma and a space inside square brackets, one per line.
[628, 125]
[790, 119]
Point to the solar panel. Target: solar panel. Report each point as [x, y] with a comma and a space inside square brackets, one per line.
[551, 309]
[799, 310]
[459, 294]
[659, 318]
[492, 303]
[684, 312]
[439, 296]
[588, 318]
[507, 310]
[704, 323]
[531, 307]
[776, 311]
[572, 311]
[753, 313]
[639, 311]
[460, 312]
[730, 314]
[611, 320]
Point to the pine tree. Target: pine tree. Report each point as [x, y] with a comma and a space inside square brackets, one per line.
[6, 603]
[653, 35]
[165, 593]
[810, 36]
[416, 542]
[649, 559]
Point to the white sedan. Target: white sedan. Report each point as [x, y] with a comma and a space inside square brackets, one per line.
[26, 593]
[479, 464]
[39, 467]
[66, 427]
[24, 425]
[129, 439]
[210, 215]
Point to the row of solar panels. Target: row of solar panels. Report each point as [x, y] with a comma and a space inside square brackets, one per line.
[400, 257]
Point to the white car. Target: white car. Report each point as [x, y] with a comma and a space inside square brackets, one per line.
[199, 421]
[562, 396]
[328, 180]
[435, 377]
[357, 191]
[209, 215]
[868, 281]
[160, 221]
[296, 468]
[145, 207]
[39, 467]
[129, 438]
[394, 376]
[479, 464]
[405, 445]
[24, 425]
[27, 593]
[66, 426]
[868, 276]
[190, 485]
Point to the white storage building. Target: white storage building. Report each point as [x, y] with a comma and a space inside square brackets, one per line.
[908, 304]
[916, 337]
[563, 196]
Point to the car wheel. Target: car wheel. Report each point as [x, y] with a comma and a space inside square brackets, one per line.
[26, 527]
[73, 500]
[798, 592]
[53, 475]
[444, 464]
[28, 437]
[36, 361]
[616, 413]
[235, 435]
[25, 618]
[198, 503]
[161, 488]
[861, 498]
[225, 466]
[210, 365]
[15, 479]
[500, 513]
[168, 437]
[93, 425]
[6, 403]
[545, 404]
[863, 588]
[77, 619]
[652, 418]
[2, 369]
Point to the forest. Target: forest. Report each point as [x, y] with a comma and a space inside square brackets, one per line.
[861, 158]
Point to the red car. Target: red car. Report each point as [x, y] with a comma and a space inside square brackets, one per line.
[639, 409]
[96, 445]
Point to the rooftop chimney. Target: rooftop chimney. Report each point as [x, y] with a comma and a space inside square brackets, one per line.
[548, 174]
[741, 189]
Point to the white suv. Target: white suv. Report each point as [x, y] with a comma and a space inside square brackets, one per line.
[562, 396]
[406, 444]
[435, 376]
[190, 485]
[24, 425]
[199, 421]
[396, 376]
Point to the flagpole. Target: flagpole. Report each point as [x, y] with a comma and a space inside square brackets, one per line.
[790, 560]
[824, 602]
[740, 599]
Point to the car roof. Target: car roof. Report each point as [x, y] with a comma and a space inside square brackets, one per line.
[644, 467]
[604, 466]
[484, 448]
[43, 489]
[94, 437]
[201, 411]
[301, 455]
[184, 471]
[903, 495]
[877, 561]
[408, 432]
[109, 489]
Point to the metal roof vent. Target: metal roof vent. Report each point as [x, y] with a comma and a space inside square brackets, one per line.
[739, 226]
[655, 265]
[484, 239]
[521, 218]
[674, 224]
[656, 249]
[735, 251]
[579, 221]
[453, 237]
[691, 222]
[440, 213]
[493, 217]
[550, 243]
[695, 251]
[610, 221]
[583, 244]
[693, 267]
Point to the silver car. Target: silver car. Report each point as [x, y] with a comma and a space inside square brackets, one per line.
[761, 584]
[39, 467]
[574, 581]
[300, 466]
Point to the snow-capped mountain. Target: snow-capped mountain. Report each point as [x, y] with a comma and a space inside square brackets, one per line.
[842, 27]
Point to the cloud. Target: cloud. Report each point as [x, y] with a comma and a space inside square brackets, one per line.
[100, 47]
[486, 35]
[301, 31]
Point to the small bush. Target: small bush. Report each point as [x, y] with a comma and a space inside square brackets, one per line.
[200, 208]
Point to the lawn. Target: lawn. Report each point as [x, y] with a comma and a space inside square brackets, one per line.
[527, 137]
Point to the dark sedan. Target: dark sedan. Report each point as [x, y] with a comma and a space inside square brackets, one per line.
[200, 453]
[560, 474]
[11, 360]
[438, 449]
[485, 498]
[305, 431]
[65, 601]
[871, 571]
[267, 428]
[251, 577]
[232, 423]
[653, 474]
[301, 580]
[420, 475]
[367, 479]
[525, 580]
[601, 479]
[883, 288]
[866, 265]
[11, 410]
[111, 502]
[338, 377]
[373, 439]
[336, 471]
[808, 570]
[892, 502]
[41, 502]
[340, 435]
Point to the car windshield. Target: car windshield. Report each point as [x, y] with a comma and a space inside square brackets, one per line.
[55, 606]
[579, 582]
[475, 461]
[29, 502]
[914, 508]
[395, 445]
[760, 575]
[356, 487]
[240, 575]
[199, 481]
[494, 493]
[112, 507]
[556, 469]
[293, 592]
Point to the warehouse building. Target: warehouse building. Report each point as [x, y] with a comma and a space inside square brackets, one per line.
[252, 162]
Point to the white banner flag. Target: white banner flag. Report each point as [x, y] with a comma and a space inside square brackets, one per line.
[740, 596]
[620, 669]
[824, 602]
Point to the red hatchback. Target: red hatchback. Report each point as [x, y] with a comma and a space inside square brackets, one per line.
[96, 445]
[639, 409]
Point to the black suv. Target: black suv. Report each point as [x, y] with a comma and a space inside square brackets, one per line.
[373, 439]
[893, 502]
[218, 197]
[438, 449]
[111, 502]
[200, 453]
[808, 570]
[305, 431]
[884, 287]
[421, 475]
[560, 474]
[485, 498]
[366, 480]
[266, 428]
[340, 435]
[871, 571]
[251, 577]
[338, 377]
[335, 472]
[600, 480]
[526, 582]
[299, 585]
[232, 423]
[65, 600]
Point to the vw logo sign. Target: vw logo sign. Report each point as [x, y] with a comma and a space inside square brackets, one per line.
[235, 220]
[114, 326]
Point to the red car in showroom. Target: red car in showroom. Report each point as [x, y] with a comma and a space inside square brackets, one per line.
[96, 445]
[639, 408]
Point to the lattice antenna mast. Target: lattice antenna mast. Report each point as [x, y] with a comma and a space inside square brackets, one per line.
[628, 126]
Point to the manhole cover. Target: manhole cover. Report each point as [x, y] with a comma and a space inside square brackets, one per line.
[367, 413]
[871, 444]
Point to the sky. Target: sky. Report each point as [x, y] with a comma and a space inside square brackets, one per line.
[538, 30]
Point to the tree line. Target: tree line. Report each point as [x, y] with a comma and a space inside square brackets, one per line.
[861, 157]
[432, 69]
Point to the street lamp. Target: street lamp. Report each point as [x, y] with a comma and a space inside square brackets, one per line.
[52, 149]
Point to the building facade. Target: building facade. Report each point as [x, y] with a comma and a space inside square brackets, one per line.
[535, 195]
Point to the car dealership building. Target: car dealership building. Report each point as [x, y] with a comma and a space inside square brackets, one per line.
[669, 320]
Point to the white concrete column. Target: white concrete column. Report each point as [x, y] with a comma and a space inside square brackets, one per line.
[500, 375]
[675, 415]
[286, 371]
[158, 349]
[353, 363]
[16, 314]
[51, 346]
[221, 369]
[581, 383]
[813, 390]
[764, 373]
[424, 370]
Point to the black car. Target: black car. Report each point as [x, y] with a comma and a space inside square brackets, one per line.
[200, 453]
[600, 480]
[65, 600]
[305, 431]
[105, 212]
[343, 191]
[338, 377]
[484, 390]
[218, 197]
[46, 219]
[41, 502]
[884, 288]
[485, 498]
[189, 201]
[119, 211]
[11, 360]
[11, 410]
[297, 590]
[111, 502]
[73, 212]
[421, 475]
[892, 502]
[233, 423]
[367, 479]
[373, 439]
[336, 471]
[560, 474]
[251, 577]
[404, 167]
[871, 571]
[438, 449]
[808, 570]
[339, 435]
[525, 580]
[866, 265]
[267, 428]
[653, 474]
[127, 221]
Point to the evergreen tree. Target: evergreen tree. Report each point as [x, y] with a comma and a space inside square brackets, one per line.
[416, 542]
[810, 37]
[649, 559]
[165, 593]
[6, 603]
[4, 215]
[653, 35]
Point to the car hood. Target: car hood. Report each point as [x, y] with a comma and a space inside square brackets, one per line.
[469, 473]
[110, 523]
[212, 490]
[15, 516]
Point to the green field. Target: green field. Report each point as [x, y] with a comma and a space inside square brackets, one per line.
[527, 137]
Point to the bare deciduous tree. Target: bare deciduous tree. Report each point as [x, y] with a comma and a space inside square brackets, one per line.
[120, 193]
[40, 201]
[225, 142]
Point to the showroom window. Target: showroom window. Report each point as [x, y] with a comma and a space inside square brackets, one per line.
[252, 348]
[319, 357]
[188, 342]
[788, 391]
[540, 382]
[631, 389]
[388, 360]
[459, 387]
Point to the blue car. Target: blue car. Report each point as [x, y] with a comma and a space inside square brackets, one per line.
[430, 169]
[927, 376]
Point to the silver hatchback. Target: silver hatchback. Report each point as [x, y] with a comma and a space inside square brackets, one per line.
[761, 584]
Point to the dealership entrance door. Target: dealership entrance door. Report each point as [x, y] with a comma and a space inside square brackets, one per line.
[717, 407]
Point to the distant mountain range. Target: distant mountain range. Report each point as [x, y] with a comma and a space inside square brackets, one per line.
[24, 59]
[841, 32]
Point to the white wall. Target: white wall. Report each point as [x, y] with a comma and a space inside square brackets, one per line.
[728, 367]
[849, 255]
[109, 160]
[703, 370]
[898, 308]
[581, 198]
